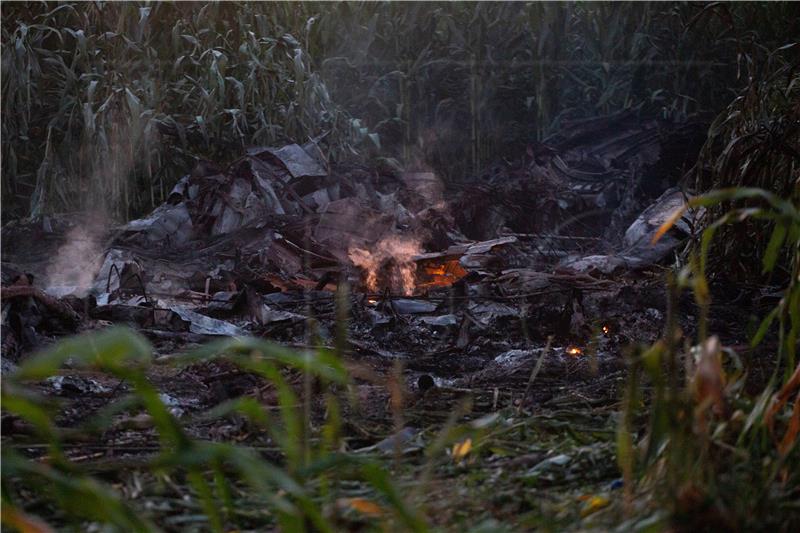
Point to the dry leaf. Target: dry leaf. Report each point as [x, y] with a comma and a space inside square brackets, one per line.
[709, 378]
[461, 449]
[780, 399]
[665, 227]
[365, 507]
[791, 432]
[594, 504]
[708, 384]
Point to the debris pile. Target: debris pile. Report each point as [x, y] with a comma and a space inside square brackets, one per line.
[453, 281]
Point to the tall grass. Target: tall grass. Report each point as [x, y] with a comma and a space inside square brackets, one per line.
[112, 102]
[713, 455]
[461, 84]
[109, 103]
[297, 494]
[755, 142]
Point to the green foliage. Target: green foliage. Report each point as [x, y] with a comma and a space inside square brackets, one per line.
[113, 102]
[301, 491]
[290, 492]
[108, 104]
[443, 81]
[754, 143]
[711, 453]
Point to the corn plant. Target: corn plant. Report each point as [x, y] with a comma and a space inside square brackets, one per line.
[754, 143]
[113, 102]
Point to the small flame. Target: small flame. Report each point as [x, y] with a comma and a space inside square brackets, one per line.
[606, 329]
[441, 274]
[574, 351]
[372, 301]
[390, 262]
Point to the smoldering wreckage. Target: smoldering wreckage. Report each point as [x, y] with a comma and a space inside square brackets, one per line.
[456, 290]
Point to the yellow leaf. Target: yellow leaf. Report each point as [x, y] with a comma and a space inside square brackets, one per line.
[673, 218]
[461, 449]
[366, 507]
[595, 503]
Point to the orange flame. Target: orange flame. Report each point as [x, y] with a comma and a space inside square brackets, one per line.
[574, 351]
[441, 274]
[391, 260]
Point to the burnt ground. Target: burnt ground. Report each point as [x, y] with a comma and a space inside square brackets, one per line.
[530, 284]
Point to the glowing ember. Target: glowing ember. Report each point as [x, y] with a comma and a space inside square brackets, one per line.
[441, 274]
[574, 350]
[389, 264]
[372, 301]
[606, 330]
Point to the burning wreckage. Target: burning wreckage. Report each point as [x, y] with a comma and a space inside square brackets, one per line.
[462, 285]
